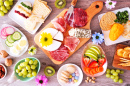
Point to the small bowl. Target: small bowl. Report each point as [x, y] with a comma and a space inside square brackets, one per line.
[23, 60]
[104, 66]
[5, 71]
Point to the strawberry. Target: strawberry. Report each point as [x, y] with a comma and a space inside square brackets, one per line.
[93, 64]
[101, 61]
[86, 61]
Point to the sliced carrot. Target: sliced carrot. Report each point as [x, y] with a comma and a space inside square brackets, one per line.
[97, 70]
[91, 72]
[84, 68]
[100, 69]
[88, 70]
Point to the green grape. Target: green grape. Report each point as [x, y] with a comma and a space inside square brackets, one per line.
[34, 73]
[2, 13]
[17, 70]
[35, 62]
[115, 73]
[115, 80]
[1, 0]
[112, 77]
[2, 8]
[8, 7]
[29, 75]
[24, 72]
[34, 70]
[26, 59]
[27, 67]
[30, 71]
[5, 11]
[11, 0]
[122, 72]
[108, 71]
[21, 64]
[24, 69]
[31, 62]
[24, 76]
[112, 71]
[20, 74]
[33, 66]
[1, 3]
[6, 3]
[10, 3]
[25, 63]
[120, 81]
[116, 77]
[108, 75]
[118, 71]
[19, 67]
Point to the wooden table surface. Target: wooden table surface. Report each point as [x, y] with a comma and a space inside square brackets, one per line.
[76, 57]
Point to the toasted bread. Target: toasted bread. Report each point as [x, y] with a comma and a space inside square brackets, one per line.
[126, 33]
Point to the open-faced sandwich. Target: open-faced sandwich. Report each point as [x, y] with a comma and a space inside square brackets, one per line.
[24, 9]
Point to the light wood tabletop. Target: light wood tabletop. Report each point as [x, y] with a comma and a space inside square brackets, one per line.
[76, 57]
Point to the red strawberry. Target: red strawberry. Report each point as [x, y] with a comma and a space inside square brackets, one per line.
[93, 64]
[86, 61]
[101, 61]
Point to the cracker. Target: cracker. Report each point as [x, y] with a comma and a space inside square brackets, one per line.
[40, 8]
[126, 32]
[107, 20]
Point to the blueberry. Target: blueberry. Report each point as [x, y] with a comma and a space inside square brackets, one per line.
[73, 74]
[76, 77]
[70, 80]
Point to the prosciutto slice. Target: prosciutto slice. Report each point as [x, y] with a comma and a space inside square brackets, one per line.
[59, 24]
[60, 54]
[77, 19]
[71, 42]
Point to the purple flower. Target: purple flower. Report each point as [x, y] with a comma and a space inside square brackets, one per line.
[97, 38]
[41, 80]
[110, 4]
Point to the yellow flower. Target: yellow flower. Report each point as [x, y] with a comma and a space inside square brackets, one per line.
[46, 39]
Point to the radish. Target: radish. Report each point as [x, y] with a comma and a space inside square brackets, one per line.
[9, 30]
[3, 37]
[3, 32]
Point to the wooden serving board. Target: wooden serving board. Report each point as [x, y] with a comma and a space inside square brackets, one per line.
[91, 11]
[116, 59]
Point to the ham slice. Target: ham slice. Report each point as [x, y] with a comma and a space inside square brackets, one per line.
[60, 54]
[59, 24]
[71, 42]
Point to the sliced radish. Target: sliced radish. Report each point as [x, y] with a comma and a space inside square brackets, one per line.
[3, 37]
[3, 32]
[9, 30]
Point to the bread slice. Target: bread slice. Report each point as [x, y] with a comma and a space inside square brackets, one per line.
[126, 33]
[36, 18]
[41, 8]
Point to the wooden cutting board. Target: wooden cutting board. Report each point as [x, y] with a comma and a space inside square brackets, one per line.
[95, 8]
[116, 59]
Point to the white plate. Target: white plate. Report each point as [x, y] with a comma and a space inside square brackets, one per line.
[106, 33]
[64, 67]
[7, 49]
[20, 20]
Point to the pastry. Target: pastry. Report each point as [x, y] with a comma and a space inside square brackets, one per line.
[116, 31]
[126, 32]
[107, 20]
[125, 53]
[71, 69]
[24, 9]
[65, 74]
[41, 8]
[63, 79]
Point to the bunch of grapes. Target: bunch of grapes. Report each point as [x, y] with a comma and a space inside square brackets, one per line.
[27, 68]
[5, 6]
[114, 74]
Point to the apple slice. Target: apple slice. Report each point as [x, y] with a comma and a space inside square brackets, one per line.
[54, 46]
[59, 36]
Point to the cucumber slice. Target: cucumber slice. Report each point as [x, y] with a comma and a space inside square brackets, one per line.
[16, 36]
[9, 39]
[8, 44]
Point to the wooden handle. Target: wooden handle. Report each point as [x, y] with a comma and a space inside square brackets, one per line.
[73, 3]
[95, 8]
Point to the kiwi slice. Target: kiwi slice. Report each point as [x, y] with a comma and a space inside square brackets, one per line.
[60, 4]
[49, 71]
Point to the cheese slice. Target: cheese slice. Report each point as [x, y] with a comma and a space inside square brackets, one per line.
[59, 36]
[54, 46]
[52, 31]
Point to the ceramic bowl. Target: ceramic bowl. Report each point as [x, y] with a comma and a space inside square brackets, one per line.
[5, 71]
[23, 60]
[104, 66]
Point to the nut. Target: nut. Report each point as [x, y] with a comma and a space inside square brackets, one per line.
[86, 81]
[93, 81]
[3, 53]
[93, 78]
[88, 78]
[8, 62]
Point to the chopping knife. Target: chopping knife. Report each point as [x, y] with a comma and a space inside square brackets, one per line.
[71, 8]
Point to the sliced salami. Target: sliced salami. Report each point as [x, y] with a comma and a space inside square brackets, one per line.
[60, 54]
[77, 19]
